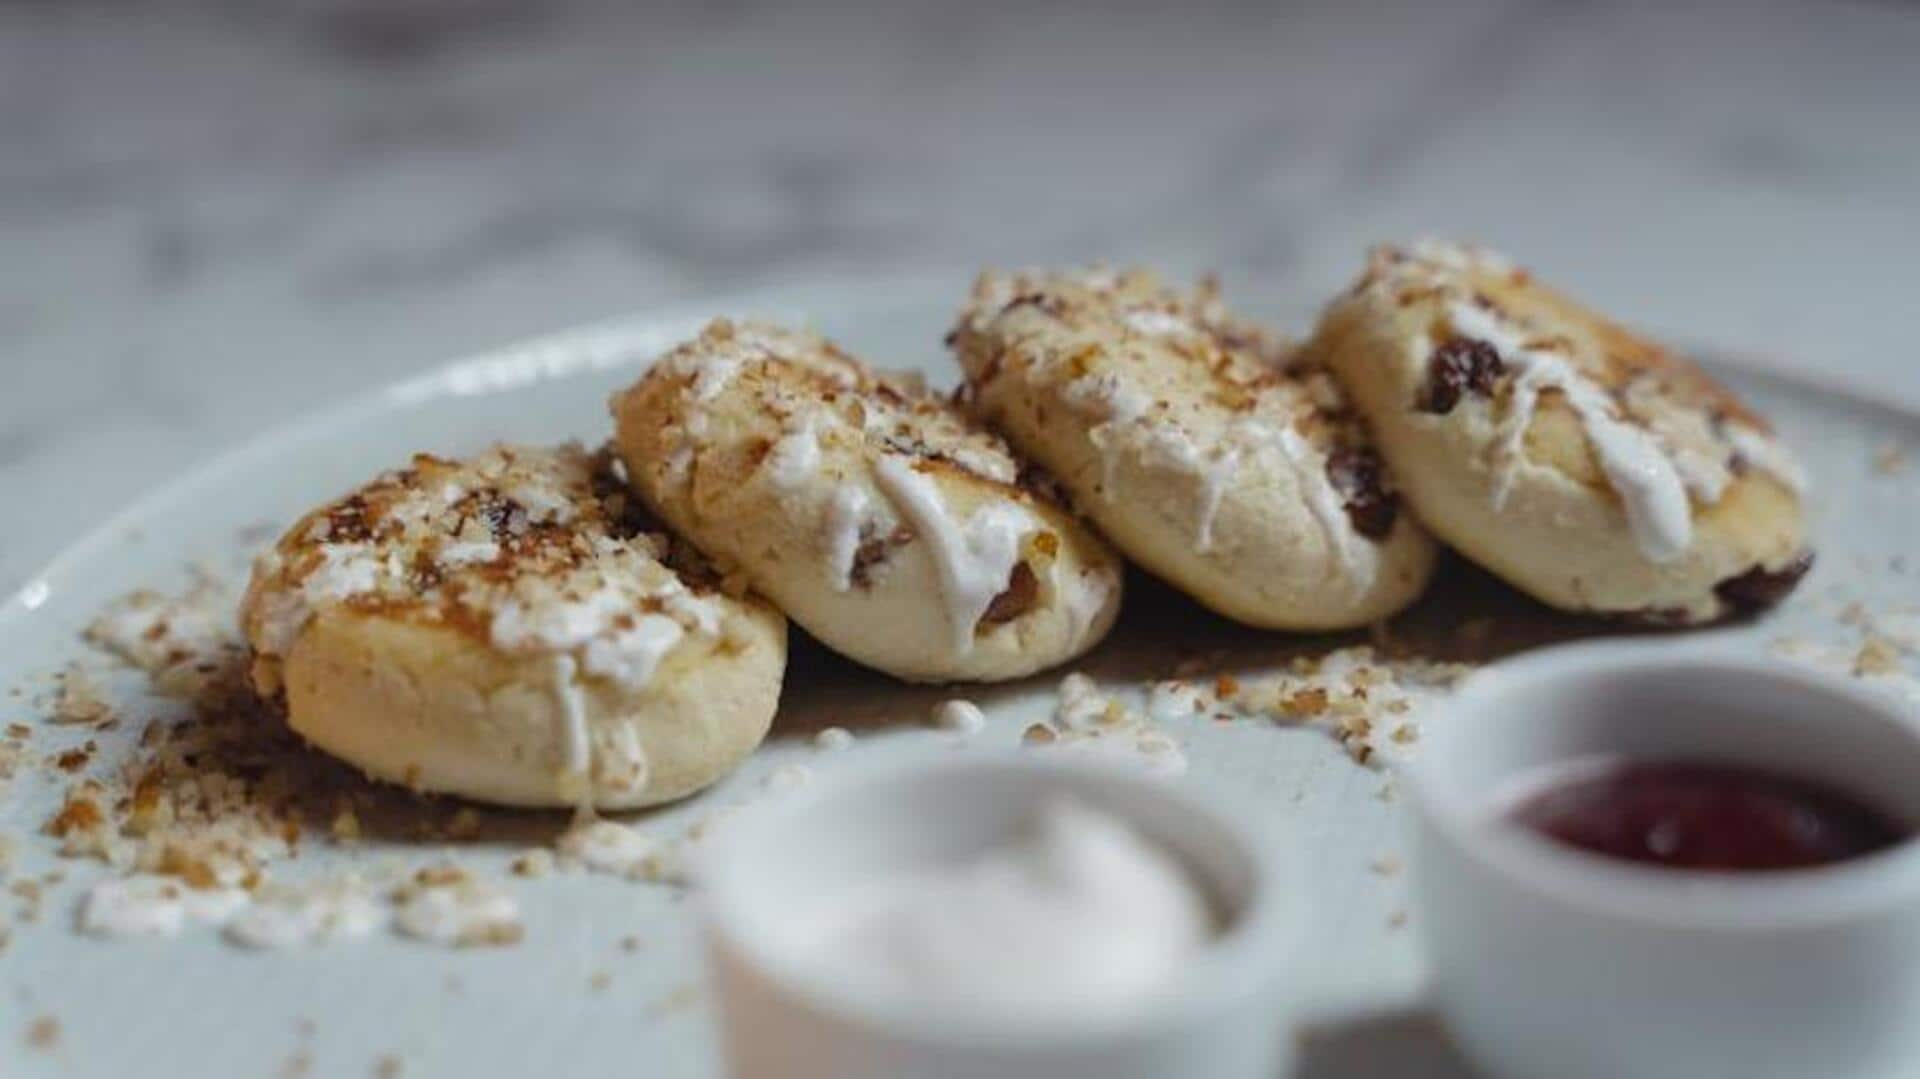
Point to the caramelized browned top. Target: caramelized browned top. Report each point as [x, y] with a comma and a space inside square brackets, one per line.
[533, 550]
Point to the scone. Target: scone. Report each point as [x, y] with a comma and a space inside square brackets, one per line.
[509, 629]
[871, 512]
[1580, 462]
[1195, 444]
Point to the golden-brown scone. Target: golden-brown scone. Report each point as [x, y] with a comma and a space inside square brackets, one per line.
[876, 516]
[508, 628]
[1577, 460]
[1195, 444]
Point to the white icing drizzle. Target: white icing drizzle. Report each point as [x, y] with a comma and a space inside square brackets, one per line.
[1310, 469]
[711, 377]
[1636, 466]
[1768, 455]
[1308, 465]
[1085, 596]
[590, 624]
[1214, 475]
[974, 559]
[1700, 454]
[1705, 478]
[620, 763]
[576, 739]
[146, 905]
[846, 516]
[694, 612]
[344, 570]
[1118, 405]
[989, 462]
[796, 456]
[1115, 404]
[631, 656]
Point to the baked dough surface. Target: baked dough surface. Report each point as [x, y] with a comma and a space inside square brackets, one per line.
[1581, 462]
[510, 628]
[877, 516]
[1197, 443]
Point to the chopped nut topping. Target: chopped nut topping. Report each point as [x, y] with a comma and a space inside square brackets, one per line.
[517, 545]
[1305, 703]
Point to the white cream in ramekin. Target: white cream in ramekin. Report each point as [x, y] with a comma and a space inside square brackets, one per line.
[1198, 1000]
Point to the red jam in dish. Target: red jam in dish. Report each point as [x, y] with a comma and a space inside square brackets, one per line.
[1686, 815]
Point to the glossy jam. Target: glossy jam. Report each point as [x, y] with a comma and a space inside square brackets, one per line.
[1694, 816]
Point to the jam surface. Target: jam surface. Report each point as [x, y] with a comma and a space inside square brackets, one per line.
[1686, 815]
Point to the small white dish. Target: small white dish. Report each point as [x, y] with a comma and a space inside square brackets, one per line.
[1227, 1016]
[1548, 961]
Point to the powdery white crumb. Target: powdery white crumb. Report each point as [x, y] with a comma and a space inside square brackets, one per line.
[605, 846]
[960, 716]
[318, 913]
[833, 739]
[147, 905]
[1088, 720]
[445, 906]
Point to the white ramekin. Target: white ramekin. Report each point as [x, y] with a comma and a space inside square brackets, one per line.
[1227, 1017]
[1547, 961]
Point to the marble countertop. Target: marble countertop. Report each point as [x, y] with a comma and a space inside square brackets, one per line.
[214, 219]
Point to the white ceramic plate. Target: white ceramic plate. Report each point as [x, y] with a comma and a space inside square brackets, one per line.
[196, 1006]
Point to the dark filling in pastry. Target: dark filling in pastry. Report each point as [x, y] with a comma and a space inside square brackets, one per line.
[1761, 587]
[1362, 482]
[1460, 365]
[1017, 599]
[873, 551]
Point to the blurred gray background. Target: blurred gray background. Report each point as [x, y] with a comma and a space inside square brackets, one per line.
[218, 216]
